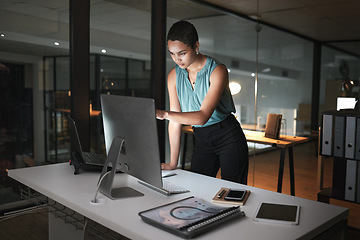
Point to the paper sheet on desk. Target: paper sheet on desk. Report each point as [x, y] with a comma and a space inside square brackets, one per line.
[167, 173]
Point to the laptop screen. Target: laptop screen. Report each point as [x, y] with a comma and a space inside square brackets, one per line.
[75, 140]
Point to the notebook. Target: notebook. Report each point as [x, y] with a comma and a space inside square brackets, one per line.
[220, 197]
[190, 217]
[273, 124]
[79, 158]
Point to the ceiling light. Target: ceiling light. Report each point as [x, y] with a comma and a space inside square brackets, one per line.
[235, 88]
[253, 74]
[103, 50]
[56, 43]
[2, 35]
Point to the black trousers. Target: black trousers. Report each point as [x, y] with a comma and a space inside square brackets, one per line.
[222, 145]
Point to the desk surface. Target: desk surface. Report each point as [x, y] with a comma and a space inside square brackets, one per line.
[58, 182]
[258, 137]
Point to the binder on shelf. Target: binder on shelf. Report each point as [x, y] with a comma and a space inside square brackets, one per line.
[339, 132]
[350, 182]
[358, 184]
[326, 132]
[357, 142]
[339, 177]
[350, 137]
[190, 217]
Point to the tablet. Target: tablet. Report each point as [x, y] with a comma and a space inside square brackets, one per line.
[277, 213]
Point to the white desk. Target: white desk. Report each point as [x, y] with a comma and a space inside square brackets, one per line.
[58, 182]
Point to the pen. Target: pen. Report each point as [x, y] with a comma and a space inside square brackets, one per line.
[220, 194]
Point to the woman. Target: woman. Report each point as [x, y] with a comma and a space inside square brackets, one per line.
[199, 96]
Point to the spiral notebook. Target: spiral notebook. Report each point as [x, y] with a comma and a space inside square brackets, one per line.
[190, 217]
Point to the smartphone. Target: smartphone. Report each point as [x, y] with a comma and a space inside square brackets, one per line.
[235, 194]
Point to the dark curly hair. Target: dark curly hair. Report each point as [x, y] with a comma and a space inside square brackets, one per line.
[184, 32]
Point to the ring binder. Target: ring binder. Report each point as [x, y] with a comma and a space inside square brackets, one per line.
[212, 219]
[190, 217]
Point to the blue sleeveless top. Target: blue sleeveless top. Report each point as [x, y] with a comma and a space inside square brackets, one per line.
[191, 99]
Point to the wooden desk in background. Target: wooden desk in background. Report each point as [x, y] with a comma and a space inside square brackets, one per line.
[93, 113]
[284, 142]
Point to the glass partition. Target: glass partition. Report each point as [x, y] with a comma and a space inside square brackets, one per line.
[118, 76]
[120, 34]
[30, 30]
[119, 64]
[339, 77]
[57, 106]
[285, 80]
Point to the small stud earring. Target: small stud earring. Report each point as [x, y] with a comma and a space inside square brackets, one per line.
[197, 52]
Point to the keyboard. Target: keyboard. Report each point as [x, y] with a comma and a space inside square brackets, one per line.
[172, 188]
[93, 158]
[167, 189]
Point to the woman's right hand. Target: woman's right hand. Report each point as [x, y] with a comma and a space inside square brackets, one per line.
[160, 114]
[167, 166]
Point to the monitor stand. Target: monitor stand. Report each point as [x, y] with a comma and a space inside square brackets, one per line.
[106, 179]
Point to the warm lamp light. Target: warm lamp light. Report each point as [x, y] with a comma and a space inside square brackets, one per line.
[235, 88]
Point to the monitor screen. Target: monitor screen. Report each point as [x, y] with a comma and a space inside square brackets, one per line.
[133, 120]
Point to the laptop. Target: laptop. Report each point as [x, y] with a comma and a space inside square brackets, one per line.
[79, 158]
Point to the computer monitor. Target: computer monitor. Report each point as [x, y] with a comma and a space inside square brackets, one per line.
[346, 103]
[131, 141]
